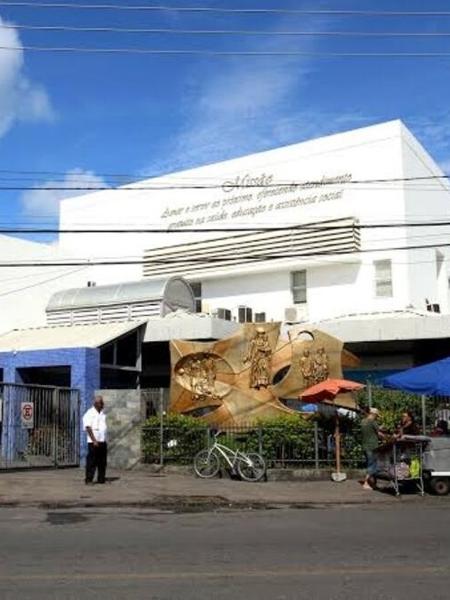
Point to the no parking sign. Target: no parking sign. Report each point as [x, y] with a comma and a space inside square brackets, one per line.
[27, 415]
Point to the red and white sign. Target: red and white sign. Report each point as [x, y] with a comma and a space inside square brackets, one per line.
[27, 415]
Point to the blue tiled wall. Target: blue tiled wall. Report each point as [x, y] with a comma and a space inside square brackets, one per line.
[84, 366]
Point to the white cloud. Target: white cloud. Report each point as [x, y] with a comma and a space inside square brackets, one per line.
[232, 111]
[20, 98]
[45, 203]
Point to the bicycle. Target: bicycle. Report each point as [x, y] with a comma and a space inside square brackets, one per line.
[249, 466]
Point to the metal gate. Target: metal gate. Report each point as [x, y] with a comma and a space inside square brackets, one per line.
[39, 426]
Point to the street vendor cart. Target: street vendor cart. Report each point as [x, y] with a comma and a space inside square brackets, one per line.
[400, 461]
[436, 465]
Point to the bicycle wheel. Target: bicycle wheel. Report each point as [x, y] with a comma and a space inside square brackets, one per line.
[206, 464]
[251, 467]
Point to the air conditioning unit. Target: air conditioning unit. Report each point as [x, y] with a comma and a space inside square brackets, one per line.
[245, 314]
[223, 313]
[260, 317]
[433, 307]
[294, 314]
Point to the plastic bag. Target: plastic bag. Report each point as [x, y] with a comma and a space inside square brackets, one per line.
[414, 468]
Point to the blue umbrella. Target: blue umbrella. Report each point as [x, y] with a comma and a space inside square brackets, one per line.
[429, 380]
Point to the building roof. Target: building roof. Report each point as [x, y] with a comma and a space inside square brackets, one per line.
[76, 336]
[178, 325]
[389, 326]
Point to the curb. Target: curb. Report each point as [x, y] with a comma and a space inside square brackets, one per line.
[272, 474]
[183, 504]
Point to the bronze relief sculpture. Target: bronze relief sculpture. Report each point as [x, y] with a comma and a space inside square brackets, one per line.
[252, 374]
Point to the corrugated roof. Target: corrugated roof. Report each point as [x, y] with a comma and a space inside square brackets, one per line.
[75, 336]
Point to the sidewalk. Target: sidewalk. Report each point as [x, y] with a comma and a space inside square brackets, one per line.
[66, 488]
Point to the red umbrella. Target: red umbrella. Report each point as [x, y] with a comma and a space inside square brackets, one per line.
[328, 390]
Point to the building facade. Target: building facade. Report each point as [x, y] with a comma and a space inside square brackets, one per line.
[327, 231]
[326, 197]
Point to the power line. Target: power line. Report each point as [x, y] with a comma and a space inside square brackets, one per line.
[12, 226]
[145, 176]
[238, 32]
[251, 258]
[38, 283]
[219, 10]
[223, 53]
[320, 227]
[30, 276]
[326, 181]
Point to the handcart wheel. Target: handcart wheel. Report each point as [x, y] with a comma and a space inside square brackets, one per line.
[440, 486]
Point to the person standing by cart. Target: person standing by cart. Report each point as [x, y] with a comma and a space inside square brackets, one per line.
[408, 425]
[370, 437]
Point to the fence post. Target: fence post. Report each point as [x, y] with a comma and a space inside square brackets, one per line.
[316, 446]
[260, 445]
[161, 427]
[369, 394]
[424, 414]
[55, 402]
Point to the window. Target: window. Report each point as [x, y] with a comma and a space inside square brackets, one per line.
[298, 287]
[383, 278]
[197, 289]
[245, 314]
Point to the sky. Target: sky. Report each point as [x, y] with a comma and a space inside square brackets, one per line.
[79, 119]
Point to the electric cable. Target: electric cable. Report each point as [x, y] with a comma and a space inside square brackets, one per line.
[224, 10]
[251, 258]
[38, 283]
[223, 32]
[222, 53]
[305, 184]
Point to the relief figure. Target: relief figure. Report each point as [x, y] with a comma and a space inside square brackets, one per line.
[320, 365]
[201, 373]
[260, 358]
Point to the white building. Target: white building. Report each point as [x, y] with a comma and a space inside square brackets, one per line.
[378, 273]
[354, 235]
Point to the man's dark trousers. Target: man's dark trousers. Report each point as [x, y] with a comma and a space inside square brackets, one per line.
[96, 460]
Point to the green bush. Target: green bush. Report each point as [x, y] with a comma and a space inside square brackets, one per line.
[183, 437]
[279, 439]
[392, 403]
[288, 437]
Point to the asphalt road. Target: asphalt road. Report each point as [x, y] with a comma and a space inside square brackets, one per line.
[387, 553]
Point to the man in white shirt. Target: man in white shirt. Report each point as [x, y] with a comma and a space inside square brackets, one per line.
[94, 424]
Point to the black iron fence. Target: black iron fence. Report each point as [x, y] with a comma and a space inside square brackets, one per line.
[311, 447]
[39, 426]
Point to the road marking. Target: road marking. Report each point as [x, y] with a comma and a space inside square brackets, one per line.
[398, 570]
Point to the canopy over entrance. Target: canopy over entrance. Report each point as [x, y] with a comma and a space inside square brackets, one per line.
[430, 380]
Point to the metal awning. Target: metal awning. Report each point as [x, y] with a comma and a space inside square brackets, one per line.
[76, 336]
